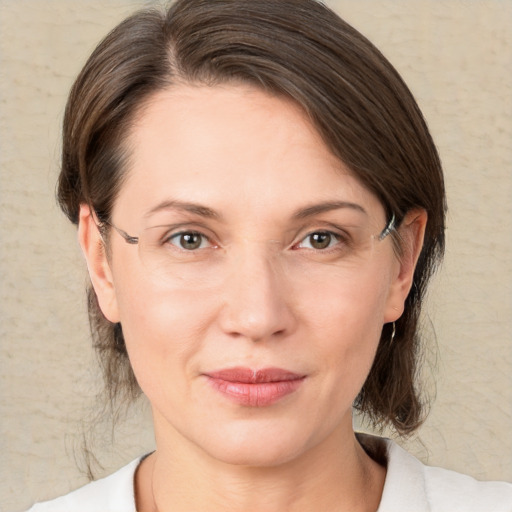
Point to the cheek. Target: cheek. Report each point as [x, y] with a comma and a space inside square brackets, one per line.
[347, 319]
[352, 306]
[164, 330]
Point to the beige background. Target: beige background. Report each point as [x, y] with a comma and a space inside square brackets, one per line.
[457, 58]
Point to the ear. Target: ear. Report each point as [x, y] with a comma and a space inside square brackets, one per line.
[411, 232]
[93, 248]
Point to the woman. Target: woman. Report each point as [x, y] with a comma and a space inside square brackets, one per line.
[260, 206]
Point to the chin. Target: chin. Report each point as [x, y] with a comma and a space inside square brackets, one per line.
[257, 445]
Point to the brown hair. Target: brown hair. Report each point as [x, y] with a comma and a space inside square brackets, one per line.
[296, 48]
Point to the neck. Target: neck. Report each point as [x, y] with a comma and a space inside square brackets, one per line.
[336, 475]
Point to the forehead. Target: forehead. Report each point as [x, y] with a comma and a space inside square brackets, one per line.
[229, 146]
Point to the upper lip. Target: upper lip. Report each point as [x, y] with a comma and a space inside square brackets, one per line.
[251, 376]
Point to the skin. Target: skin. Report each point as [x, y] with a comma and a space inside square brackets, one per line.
[256, 294]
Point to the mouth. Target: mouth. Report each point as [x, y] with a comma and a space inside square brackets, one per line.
[255, 388]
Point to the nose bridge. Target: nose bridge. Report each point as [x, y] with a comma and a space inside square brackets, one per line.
[256, 305]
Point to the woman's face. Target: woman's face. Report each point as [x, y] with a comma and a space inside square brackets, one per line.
[253, 304]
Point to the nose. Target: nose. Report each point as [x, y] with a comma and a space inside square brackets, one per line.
[256, 303]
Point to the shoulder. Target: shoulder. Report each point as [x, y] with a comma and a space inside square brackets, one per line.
[411, 486]
[115, 493]
[449, 490]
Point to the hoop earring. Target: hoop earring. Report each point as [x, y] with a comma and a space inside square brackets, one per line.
[393, 332]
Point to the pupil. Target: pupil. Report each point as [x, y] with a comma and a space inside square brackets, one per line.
[320, 240]
[190, 241]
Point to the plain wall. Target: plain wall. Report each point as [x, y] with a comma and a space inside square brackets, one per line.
[457, 58]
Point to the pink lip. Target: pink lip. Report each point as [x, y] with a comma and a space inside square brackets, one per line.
[255, 388]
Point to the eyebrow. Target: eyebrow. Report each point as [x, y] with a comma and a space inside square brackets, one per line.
[205, 211]
[194, 208]
[315, 209]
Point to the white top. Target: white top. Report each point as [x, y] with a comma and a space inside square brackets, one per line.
[410, 486]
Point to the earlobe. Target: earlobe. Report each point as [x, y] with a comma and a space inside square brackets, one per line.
[98, 266]
[411, 232]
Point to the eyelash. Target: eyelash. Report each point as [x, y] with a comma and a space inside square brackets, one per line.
[178, 236]
[332, 236]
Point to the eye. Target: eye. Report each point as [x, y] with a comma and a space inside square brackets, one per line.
[189, 240]
[319, 240]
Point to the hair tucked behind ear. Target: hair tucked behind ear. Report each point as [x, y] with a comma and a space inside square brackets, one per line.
[295, 48]
[108, 342]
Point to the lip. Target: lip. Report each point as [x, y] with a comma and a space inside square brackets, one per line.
[254, 388]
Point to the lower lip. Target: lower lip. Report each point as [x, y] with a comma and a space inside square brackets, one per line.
[255, 395]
